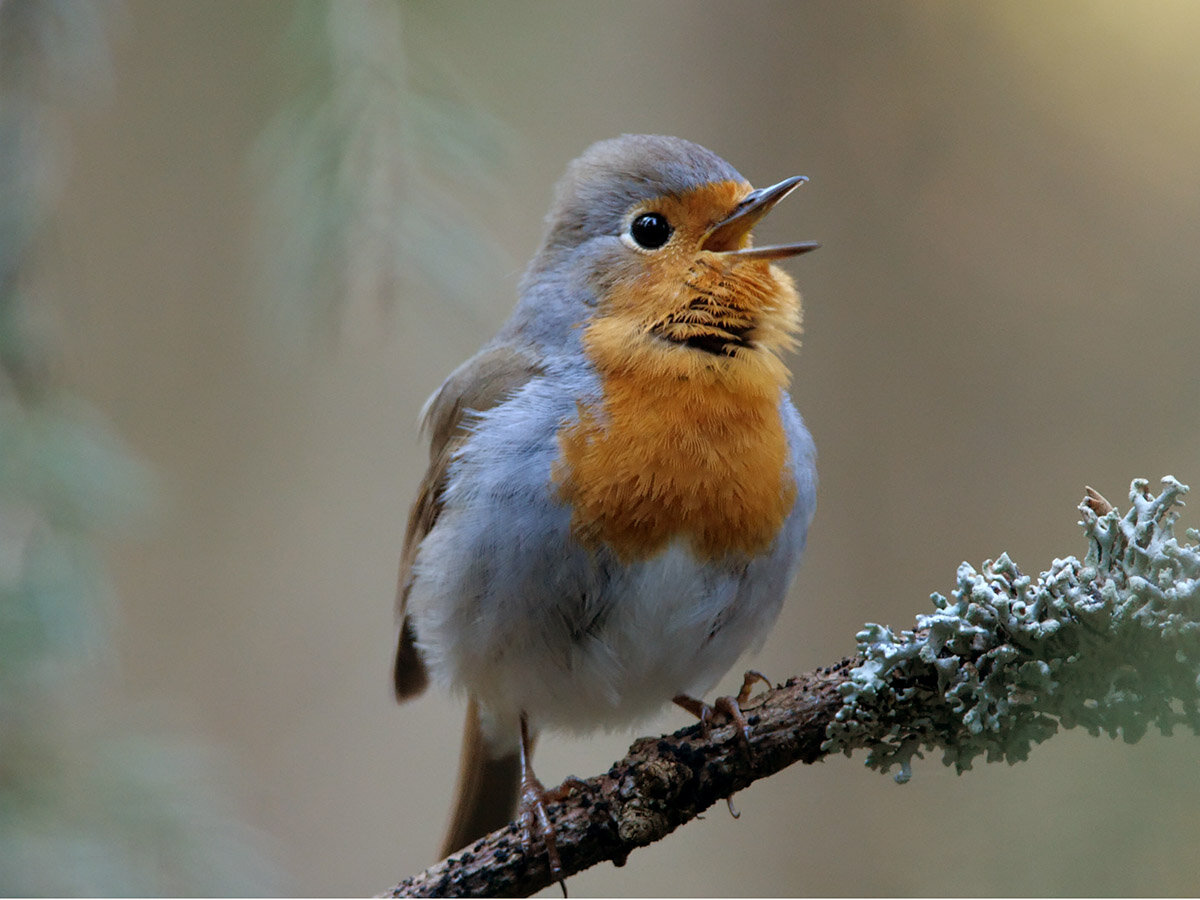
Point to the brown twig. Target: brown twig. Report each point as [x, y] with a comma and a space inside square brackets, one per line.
[659, 785]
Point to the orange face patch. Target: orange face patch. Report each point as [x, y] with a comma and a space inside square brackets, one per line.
[687, 440]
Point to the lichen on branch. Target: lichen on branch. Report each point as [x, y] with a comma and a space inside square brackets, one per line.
[1111, 644]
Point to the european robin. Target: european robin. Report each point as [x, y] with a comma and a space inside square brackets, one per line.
[619, 486]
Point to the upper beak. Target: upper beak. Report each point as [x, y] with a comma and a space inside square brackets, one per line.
[725, 236]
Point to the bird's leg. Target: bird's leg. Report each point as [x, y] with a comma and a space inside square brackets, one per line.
[697, 708]
[534, 819]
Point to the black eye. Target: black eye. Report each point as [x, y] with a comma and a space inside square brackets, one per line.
[651, 230]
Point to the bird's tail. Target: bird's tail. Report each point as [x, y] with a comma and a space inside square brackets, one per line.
[488, 784]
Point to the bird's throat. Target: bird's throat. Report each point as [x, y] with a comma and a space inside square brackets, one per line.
[720, 310]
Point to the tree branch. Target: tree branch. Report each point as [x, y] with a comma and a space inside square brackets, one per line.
[1111, 643]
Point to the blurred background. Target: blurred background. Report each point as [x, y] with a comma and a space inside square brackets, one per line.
[242, 242]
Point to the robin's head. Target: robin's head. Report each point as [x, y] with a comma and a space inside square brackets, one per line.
[653, 234]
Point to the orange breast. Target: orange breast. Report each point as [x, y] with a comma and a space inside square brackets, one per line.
[652, 465]
[684, 443]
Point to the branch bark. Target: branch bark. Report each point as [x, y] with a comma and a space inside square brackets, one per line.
[659, 785]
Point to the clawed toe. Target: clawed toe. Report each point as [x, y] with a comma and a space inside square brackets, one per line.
[728, 708]
[751, 678]
[536, 825]
[535, 820]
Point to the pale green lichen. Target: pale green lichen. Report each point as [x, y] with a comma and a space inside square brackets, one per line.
[1111, 644]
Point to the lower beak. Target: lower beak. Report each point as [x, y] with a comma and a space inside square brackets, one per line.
[725, 236]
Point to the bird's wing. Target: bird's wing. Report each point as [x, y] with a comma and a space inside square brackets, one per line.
[482, 382]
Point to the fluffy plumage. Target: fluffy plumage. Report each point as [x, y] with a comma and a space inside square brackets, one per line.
[619, 486]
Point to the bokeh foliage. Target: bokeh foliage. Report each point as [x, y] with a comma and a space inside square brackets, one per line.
[363, 171]
[92, 800]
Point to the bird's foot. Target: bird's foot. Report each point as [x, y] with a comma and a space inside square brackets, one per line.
[729, 709]
[536, 825]
[535, 819]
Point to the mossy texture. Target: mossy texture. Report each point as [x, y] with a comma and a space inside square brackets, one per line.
[1111, 644]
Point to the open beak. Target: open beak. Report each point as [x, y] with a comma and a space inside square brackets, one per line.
[725, 236]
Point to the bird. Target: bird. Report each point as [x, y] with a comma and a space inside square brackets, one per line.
[619, 486]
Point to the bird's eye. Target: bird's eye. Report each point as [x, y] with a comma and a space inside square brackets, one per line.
[651, 230]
